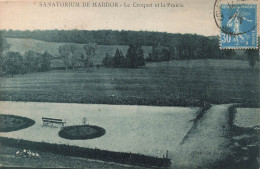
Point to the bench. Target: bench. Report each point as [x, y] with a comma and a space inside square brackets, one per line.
[47, 121]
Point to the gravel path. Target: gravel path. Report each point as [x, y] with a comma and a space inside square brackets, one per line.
[207, 142]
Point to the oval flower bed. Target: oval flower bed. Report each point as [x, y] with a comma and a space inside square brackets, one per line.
[81, 132]
[12, 123]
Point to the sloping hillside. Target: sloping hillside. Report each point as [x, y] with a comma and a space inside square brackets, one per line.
[23, 45]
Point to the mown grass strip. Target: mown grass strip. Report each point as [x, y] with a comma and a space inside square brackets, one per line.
[75, 151]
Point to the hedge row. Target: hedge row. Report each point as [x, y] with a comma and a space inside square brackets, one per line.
[101, 100]
[75, 151]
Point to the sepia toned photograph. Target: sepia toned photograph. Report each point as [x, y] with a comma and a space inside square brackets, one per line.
[129, 84]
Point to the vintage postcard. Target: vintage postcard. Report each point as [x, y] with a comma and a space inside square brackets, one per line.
[129, 84]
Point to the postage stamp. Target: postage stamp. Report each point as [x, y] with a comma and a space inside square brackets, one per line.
[238, 26]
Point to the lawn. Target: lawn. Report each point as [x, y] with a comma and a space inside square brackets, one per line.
[247, 117]
[175, 83]
[50, 160]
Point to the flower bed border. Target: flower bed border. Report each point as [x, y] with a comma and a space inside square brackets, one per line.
[28, 123]
[63, 132]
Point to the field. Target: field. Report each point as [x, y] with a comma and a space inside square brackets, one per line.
[175, 83]
[23, 45]
[247, 117]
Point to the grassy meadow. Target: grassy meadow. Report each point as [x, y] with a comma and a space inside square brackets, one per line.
[176, 83]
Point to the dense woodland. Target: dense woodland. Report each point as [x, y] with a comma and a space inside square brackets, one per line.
[180, 46]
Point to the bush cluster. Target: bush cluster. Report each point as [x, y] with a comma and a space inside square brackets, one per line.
[15, 63]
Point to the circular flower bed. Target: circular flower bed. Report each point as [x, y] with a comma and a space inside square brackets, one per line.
[81, 132]
[12, 123]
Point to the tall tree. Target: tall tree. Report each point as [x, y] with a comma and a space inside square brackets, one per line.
[3, 43]
[131, 57]
[253, 57]
[45, 61]
[33, 61]
[166, 54]
[153, 56]
[68, 53]
[108, 61]
[36, 62]
[140, 56]
[90, 50]
[134, 56]
[29, 57]
[3, 46]
[159, 53]
[119, 60]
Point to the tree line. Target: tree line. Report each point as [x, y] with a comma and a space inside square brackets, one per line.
[179, 46]
[134, 58]
[100, 37]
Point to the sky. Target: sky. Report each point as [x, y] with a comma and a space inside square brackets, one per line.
[196, 16]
